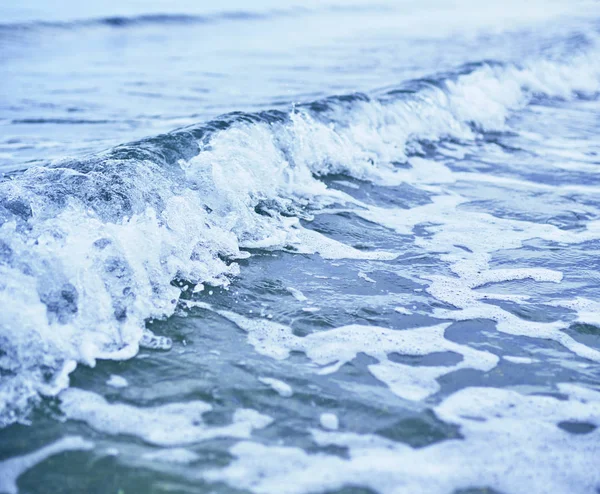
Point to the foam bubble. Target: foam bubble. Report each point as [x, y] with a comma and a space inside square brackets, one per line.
[117, 381]
[281, 388]
[329, 421]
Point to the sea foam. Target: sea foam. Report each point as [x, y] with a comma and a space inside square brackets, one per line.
[89, 248]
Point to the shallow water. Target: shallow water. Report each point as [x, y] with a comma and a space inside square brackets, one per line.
[348, 248]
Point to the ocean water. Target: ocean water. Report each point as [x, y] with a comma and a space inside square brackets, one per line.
[313, 247]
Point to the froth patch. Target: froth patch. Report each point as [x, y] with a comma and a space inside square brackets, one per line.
[164, 425]
[13, 468]
[307, 241]
[117, 381]
[466, 240]
[513, 443]
[588, 311]
[179, 456]
[333, 348]
[281, 388]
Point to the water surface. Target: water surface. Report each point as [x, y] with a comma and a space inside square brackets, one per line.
[346, 248]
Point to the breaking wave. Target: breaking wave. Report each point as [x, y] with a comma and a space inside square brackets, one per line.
[93, 248]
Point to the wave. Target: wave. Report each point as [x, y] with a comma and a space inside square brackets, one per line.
[92, 249]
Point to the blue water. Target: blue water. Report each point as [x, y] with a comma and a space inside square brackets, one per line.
[296, 248]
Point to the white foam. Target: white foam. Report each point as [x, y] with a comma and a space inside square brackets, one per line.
[519, 360]
[311, 309]
[13, 468]
[329, 421]
[531, 454]
[365, 276]
[164, 425]
[466, 239]
[331, 349]
[86, 277]
[117, 381]
[588, 311]
[310, 242]
[179, 456]
[297, 294]
[281, 388]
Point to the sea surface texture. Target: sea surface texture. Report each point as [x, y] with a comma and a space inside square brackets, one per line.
[315, 247]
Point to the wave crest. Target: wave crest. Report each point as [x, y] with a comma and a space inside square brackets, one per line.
[89, 248]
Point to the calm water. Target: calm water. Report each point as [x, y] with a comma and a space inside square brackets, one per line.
[348, 247]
